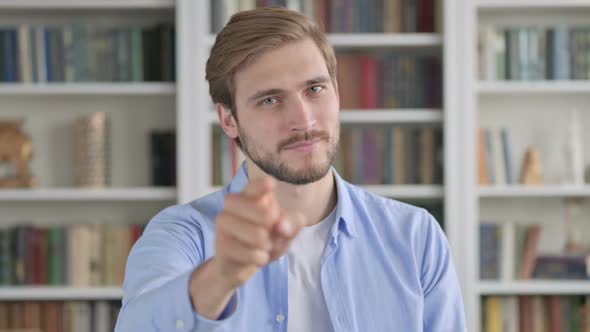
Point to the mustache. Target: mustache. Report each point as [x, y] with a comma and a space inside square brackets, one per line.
[302, 137]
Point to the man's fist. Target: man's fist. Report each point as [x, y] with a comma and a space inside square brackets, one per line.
[252, 231]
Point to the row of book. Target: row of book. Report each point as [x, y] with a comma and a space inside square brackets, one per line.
[494, 157]
[536, 313]
[385, 16]
[391, 155]
[57, 316]
[383, 155]
[389, 80]
[360, 16]
[84, 53]
[509, 251]
[76, 255]
[535, 53]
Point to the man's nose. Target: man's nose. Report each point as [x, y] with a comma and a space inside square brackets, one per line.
[301, 115]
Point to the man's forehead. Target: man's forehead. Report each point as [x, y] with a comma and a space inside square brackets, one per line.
[288, 66]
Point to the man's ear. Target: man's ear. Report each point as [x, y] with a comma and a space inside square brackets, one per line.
[335, 83]
[226, 120]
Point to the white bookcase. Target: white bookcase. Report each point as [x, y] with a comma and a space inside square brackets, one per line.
[186, 106]
[535, 113]
[49, 111]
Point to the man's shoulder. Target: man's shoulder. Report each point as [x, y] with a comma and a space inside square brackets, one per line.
[375, 205]
[200, 212]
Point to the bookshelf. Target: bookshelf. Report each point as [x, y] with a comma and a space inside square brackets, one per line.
[530, 4]
[534, 288]
[555, 191]
[81, 89]
[185, 105]
[87, 4]
[380, 116]
[70, 195]
[134, 109]
[397, 192]
[534, 88]
[19, 293]
[535, 113]
[407, 191]
[399, 40]
[391, 116]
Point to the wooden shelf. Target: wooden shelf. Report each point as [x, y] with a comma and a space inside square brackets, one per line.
[532, 191]
[132, 89]
[86, 4]
[353, 40]
[381, 116]
[76, 194]
[534, 287]
[534, 87]
[59, 293]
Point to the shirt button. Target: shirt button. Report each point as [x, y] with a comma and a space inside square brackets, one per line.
[179, 324]
[280, 318]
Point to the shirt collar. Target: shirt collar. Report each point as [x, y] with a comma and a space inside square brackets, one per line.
[345, 219]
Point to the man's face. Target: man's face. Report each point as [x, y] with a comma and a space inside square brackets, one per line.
[287, 110]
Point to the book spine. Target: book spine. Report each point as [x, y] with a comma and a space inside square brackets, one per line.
[10, 56]
[136, 54]
[25, 69]
[6, 263]
[489, 236]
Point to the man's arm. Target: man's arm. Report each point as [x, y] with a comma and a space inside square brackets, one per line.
[443, 302]
[158, 274]
[163, 291]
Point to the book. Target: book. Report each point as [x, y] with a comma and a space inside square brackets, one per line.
[482, 161]
[489, 250]
[163, 157]
[562, 266]
[530, 254]
[498, 157]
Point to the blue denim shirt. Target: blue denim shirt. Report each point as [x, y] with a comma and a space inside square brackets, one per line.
[387, 267]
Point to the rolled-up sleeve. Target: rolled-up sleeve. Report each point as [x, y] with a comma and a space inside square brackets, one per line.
[157, 276]
[443, 302]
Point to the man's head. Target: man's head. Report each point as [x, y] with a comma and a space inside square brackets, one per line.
[272, 76]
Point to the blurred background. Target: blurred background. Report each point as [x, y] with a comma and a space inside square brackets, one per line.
[476, 110]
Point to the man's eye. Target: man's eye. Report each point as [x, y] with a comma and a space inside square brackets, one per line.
[316, 89]
[269, 101]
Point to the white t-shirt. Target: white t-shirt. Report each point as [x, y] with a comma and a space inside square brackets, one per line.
[307, 308]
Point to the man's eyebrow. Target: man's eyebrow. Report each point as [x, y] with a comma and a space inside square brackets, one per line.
[264, 93]
[269, 92]
[316, 80]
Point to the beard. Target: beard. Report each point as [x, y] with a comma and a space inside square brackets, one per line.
[271, 164]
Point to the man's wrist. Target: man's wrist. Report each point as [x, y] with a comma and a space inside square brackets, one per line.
[210, 289]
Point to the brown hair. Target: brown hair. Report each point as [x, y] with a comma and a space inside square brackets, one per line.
[251, 33]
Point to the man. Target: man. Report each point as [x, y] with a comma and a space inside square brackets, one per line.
[288, 245]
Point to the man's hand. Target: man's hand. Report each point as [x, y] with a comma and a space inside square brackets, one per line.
[251, 232]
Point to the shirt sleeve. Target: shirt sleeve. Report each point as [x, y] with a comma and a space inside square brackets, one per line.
[443, 302]
[159, 267]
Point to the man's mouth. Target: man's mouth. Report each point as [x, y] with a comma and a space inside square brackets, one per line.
[303, 144]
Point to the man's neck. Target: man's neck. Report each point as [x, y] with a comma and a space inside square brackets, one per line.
[315, 200]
